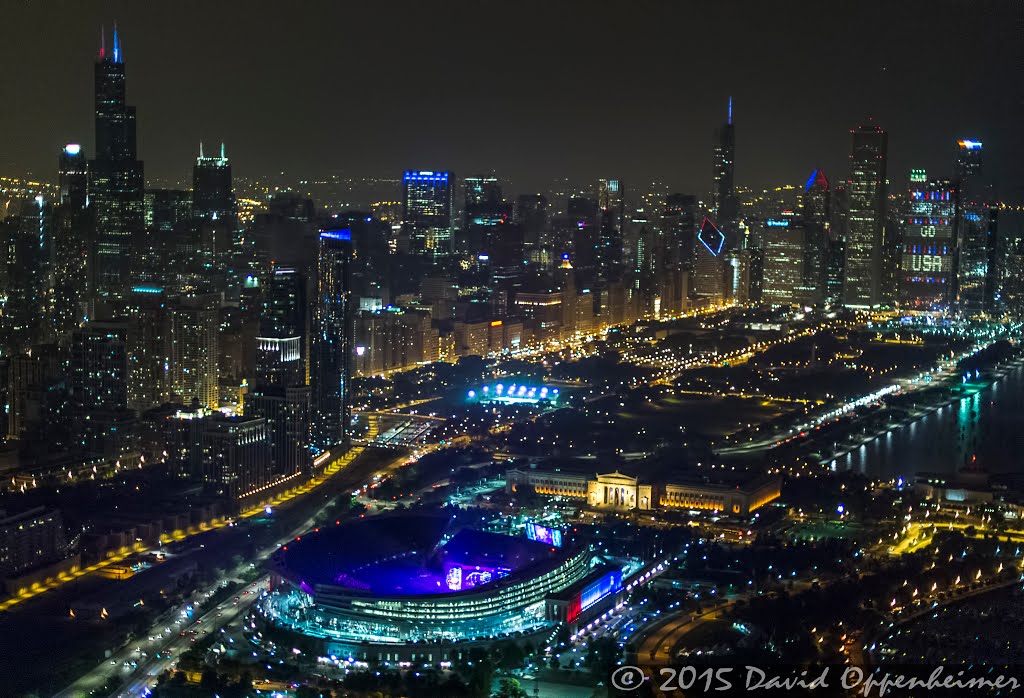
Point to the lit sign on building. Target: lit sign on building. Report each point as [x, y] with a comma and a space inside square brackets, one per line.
[970, 145]
[343, 234]
[707, 236]
[460, 577]
[544, 534]
[594, 592]
[425, 175]
[775, 223]
[513, 393]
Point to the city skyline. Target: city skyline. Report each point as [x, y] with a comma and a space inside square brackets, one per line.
[743, 380]
[509, 111]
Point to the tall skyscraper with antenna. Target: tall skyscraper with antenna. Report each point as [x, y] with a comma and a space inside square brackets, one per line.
[723, 196]
[116, 179]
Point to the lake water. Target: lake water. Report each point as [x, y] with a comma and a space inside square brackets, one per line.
[988, 427]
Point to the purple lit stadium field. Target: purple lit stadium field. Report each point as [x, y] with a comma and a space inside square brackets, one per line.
[409, 555]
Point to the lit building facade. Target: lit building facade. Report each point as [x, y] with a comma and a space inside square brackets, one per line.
[784, 254]
[394, 338]
[618, 492]
[708, 264]
[929, 246]
[194, 371]
[236, 455]
[98, 378]
[29, 539]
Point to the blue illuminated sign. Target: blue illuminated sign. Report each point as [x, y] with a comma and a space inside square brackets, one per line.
[774, 223]
[343, 234]
[425, 176]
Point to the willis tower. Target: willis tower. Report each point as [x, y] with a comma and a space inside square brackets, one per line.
[116, 177]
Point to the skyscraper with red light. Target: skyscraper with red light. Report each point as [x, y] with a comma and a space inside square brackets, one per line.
[116, 177]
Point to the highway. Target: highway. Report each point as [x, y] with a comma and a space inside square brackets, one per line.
[357, 473]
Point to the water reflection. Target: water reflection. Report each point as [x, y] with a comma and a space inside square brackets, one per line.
[985, 430]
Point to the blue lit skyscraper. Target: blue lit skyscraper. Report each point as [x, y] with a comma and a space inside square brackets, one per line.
[427, 198]
[332, 343]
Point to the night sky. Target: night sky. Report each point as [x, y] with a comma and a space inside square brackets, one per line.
[531, 91]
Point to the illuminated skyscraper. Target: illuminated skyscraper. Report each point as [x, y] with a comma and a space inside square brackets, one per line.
[976, 233]
[98, 387]
[866, 218]
[611, 212]
[279, 391]
[783, 272]
[928, 250]
[427, 210]
[817, 216]
[213, 220]
[194, 349]
[332, 343]
[282, 342]
[147, 315]
[73, 177]
[213, 198]
[673, 256]
[708, 269]
[723, 197]
[115, 177]
[235, 457]
[484, 216]
[967, 168]
[26, 315]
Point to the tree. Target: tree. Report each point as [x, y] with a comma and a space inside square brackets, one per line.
[602, 656]
[510, 655]
[481, 672]
[210, 680]
[510, 688]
